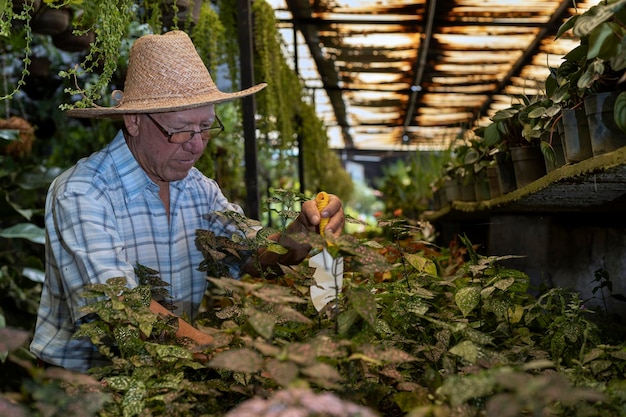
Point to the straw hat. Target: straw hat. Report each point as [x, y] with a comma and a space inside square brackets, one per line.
[165, 73]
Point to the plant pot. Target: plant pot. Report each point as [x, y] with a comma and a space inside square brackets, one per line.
[493, 179]
[452, 188]
[576, 138]
[18, 5]
[528, 163]
[50, 21]
[39, 66]
[481, 186]
[439, 199]
[70, 42]
[467, 189]
[506, 172]
[605, 135]
[558, 153]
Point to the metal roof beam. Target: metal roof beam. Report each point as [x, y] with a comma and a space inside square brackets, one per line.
[301, 11]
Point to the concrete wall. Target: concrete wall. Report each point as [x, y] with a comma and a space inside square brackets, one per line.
[565, 251]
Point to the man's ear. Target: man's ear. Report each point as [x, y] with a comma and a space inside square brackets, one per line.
[132, 122]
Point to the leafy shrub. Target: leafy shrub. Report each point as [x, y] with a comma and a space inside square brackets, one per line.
[415, 331]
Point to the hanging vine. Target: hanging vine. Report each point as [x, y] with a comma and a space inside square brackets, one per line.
[286, 116]
[109, 20]
[209, 37]
[8, 18]
[228, 11]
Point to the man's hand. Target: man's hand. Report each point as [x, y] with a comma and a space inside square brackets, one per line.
[307, 221]
[310, 217]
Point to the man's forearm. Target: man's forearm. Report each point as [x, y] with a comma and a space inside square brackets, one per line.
[184, 329]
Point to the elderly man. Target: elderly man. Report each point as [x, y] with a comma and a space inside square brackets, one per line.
[140, 200]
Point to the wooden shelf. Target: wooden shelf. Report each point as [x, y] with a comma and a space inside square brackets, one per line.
[597, 184]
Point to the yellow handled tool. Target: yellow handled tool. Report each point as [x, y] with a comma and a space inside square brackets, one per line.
[329, 271]
[322, 199]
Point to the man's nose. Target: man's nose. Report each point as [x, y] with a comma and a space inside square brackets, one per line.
[195, 144]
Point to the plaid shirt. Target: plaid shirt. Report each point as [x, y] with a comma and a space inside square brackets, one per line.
[103, 217]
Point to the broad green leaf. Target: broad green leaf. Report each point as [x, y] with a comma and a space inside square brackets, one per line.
[422, 264]
[238, 360]
[282, 372]
[25, 231]
[393, 355]
[168, 353]
[492, 135]
[620, 111]
[128, 338]
[26, 213]
[9, 134]
[599, 366]
[537, 112]
[460, 389]
[364, 303]
[263, 323]
[467, 299]
[322, 370]
[346, 319]
[12, 339]
[119, 383]
[134, 399]
[276, 248]
[599, 41]
[597, 14]
[36, 275]
[172, 381]
[467, 350]
[505, 283]
[516, 313]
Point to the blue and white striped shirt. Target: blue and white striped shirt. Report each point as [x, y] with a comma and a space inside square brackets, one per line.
[104, 217]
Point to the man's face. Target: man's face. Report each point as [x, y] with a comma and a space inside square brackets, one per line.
[169, 158]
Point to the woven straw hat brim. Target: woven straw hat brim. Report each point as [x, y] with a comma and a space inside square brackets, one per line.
[165, 73]
[164, 104]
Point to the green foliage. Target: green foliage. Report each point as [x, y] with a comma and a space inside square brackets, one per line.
[22, 190]
[416, 330]
[30, 391]
[408, 184]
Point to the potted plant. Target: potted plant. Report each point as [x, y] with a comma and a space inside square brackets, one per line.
[519, 138]
[601, 30]
[562, 88]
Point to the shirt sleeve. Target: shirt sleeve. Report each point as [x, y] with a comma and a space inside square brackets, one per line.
[85, 246]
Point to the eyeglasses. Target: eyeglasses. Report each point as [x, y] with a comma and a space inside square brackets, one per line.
[186, 135]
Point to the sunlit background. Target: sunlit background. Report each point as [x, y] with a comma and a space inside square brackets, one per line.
[398, 75]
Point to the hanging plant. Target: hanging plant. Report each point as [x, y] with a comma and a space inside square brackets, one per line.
[109, 20]
[228, 12]
[19, 135]
[20, 18]
[278, 101]
[208, 36]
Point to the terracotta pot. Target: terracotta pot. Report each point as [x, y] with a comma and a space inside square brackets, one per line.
[50, 21]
